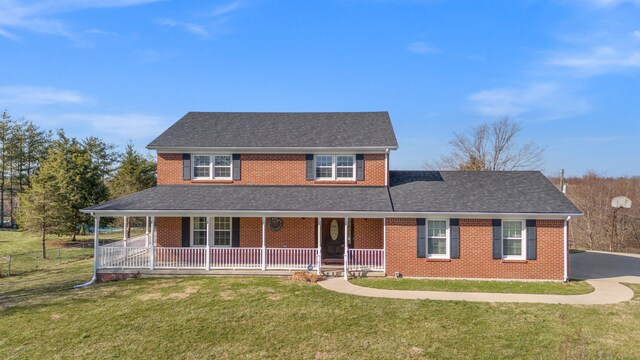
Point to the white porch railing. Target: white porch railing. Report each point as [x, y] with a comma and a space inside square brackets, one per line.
[291, 259]
[365, 260]
[120, 257]
[180, 258]
[236, 258]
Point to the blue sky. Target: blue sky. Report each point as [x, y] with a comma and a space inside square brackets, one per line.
[126, 69]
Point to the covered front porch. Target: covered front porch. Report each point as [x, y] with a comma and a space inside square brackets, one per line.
[217, 244]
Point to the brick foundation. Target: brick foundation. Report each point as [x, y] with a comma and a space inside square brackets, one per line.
[105, 277]
[475, 253]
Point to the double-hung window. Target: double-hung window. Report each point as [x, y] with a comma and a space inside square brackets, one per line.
[220, 234]
[199, 231]
[212, 167]
[438, 238]
[513, 235]
[335, 167]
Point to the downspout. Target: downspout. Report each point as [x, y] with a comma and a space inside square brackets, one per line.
[566, 249]
[386, 167]
[96, 232]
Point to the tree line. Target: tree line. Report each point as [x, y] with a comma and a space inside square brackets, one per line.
[47, 178]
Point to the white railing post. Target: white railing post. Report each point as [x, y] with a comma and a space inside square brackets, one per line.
[124, 231]
[207, 256]
[264, 244]
[384, 246]
[346, 249]
[96, 244]
[152, 257]
[319, 255]
[146, 231]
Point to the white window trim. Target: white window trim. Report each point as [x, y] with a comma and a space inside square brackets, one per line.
[211, 231]
[211, 167]
[447, 254]
[334, 167]
[191, 244]
[523, 256]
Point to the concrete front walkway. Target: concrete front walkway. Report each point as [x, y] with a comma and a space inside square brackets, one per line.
[610, 268]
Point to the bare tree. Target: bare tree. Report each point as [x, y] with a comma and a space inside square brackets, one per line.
[492, 147]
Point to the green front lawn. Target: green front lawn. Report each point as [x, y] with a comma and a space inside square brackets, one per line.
[268, 317]
[519, 287]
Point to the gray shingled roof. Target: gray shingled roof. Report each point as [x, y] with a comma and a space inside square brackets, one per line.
[248, 197]
[477, 191]
[279, 130]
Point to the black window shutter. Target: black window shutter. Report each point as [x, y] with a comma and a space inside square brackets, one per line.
[421, 238]
[454, 231]
[235, 232]
[532, 247]
[359, 167]
[310, 169]
[186, 229]
[497, 238]
[186, 166]
[236, 166]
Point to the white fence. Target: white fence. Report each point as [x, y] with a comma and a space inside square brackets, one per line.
[120, 257]
[291, 259]
[366, 260]
[236, 258]
[180, 258]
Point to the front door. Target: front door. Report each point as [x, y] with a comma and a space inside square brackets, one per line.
[333, 238]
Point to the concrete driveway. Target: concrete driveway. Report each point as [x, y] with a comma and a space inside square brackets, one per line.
[594, 265]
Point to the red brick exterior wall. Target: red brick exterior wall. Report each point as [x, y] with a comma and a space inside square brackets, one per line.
[368, 233]
[169, 231]
[475, 253]
[271, 169]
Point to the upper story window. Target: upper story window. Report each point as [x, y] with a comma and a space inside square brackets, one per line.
[212, 167]
[438, 238]
[335, 167]
[513, 246]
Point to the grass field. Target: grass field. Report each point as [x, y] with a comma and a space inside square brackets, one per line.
[520, 287]
[41, 316]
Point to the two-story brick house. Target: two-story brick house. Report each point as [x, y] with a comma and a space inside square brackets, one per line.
[287, 191]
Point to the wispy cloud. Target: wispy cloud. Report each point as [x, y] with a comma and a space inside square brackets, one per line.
[538, 101]
[597, 60]
[192, 28]
[610, 3]
[40, 15]
[34, 95]
[420, 47]
[228, 8]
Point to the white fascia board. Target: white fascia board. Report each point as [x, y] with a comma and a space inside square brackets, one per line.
[326, 214]
[264, 150]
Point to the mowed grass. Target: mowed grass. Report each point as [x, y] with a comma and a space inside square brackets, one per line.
[41, 316]
[519, 287]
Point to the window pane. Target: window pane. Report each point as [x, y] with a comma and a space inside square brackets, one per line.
[201, 172]
[223, 160]
[344, 160]
[344, 173]
[512, 246]
[437, 228]
[200, 160]
[222, 172]
[200, 223]
[437, 246]
[222, 238]
[512, 229]
[324, 160]
[199, 238]
[324, 173]
[222, 223]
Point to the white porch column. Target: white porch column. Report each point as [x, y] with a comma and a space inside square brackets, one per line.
[384, 246]
[319, 260]
[124, 230]
[152, 255]
[346, 248]
[146, 231]
[96, 245]
[264, 244]
[208, 247]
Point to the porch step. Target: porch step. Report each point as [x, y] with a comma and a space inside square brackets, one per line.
[352, 274]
